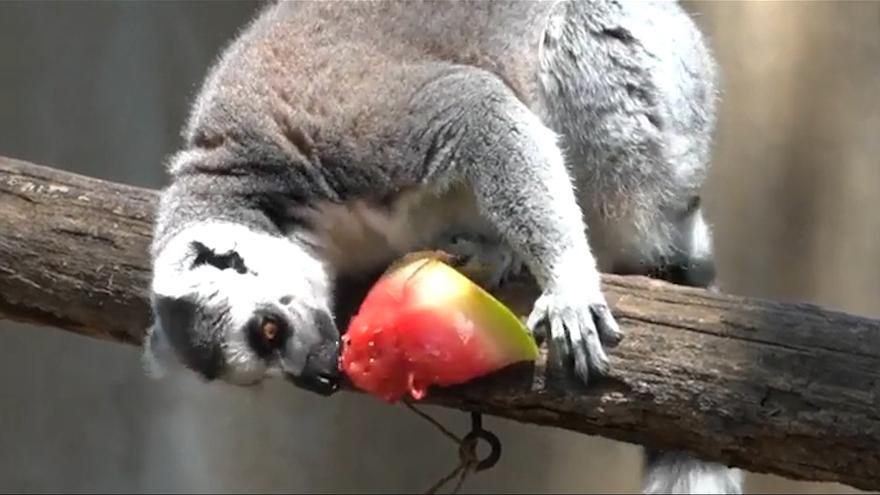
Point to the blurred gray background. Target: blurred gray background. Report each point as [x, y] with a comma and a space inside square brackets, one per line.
[102, 88]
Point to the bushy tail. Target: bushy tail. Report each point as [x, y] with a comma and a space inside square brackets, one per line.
[674, 472]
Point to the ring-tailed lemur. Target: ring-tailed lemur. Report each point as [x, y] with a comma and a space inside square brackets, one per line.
[332, 137]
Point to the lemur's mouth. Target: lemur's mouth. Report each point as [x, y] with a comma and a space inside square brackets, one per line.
[321, 385]
[321, 373]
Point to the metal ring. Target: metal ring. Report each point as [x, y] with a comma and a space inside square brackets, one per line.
[494, 443]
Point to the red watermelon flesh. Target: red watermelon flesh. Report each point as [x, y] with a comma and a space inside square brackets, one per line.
[425, 323]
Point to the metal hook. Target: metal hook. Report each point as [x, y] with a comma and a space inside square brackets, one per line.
[478, 433]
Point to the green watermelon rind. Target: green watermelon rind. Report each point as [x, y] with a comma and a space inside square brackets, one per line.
[498, 326]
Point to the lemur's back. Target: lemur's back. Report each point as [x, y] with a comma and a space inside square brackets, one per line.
[500, 36]
[336, 80]
[316, 64]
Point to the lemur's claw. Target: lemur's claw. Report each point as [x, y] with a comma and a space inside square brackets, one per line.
[578, 330]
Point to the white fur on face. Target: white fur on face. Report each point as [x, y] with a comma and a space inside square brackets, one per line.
[280, 273]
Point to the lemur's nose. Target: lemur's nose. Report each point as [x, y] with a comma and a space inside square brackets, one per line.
[267, 333]
[321, 371]
[321, 374]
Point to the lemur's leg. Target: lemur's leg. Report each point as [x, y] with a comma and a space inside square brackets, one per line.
[483, 135]
[636, 106]
[679, 471]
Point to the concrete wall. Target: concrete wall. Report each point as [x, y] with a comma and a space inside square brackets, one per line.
[101, 88]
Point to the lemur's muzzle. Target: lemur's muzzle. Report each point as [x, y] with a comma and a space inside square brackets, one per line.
[321, 373]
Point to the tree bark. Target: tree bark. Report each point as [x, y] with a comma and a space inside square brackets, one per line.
[783, 388]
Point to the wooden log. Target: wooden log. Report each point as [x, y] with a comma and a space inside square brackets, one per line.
[783, 388]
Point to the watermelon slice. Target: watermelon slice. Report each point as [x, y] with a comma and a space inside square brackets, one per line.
[424, 323]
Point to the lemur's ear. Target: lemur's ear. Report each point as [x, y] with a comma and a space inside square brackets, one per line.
[157, 357]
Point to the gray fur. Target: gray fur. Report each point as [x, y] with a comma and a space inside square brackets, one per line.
[331, 137]
[681, 473]
[631, 86]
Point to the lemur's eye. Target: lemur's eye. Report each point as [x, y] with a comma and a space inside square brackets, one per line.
[270, 330]
[223, 261]
[266, 333]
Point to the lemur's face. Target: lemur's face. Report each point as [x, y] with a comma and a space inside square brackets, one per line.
[239, 306]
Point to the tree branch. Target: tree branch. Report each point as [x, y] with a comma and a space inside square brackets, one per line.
[790, 389]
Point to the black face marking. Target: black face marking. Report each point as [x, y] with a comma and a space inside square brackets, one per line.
[620, 33]
[199, 350]
[207, 256]
[693, 205]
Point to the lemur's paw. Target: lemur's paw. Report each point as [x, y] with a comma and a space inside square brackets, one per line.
[580, 326]
[489, 261]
